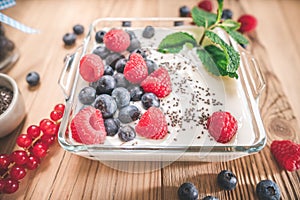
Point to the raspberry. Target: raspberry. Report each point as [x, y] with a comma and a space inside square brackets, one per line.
[205, 5]
[152, 124]
[88, 127]
[222, 126]
[135, 69]
[287, 154]
[158, 82]
[116, 40]
[248, 23]
[91, 67]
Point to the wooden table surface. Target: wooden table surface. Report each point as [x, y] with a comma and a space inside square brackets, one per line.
[62, 175]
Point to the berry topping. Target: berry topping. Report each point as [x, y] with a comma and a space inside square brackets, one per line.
[33, 78]
[188, 191]
[108, 70]
[78, 29]
[69, 39]
[113, 58]
[99, 36]
[122, 96]
[287, 154]
[120, 65]
[91, 67]
[148, 32]
[111, 126]
[267, 190]
[116, 40]
[134, 44]
[88, 127]
[227, 14]
[184, 11]
[120, 79]
[206, 5]
[105, 85]
[126, 133]
[129, 114]
[136, 69]
[106, 104]
[158, 82]
[152, 66]
[153, 124]
[248, 23]
[101, 51]
[87, 95]
[149, 99]
[227, 180]
[222, 126]
[136, 92]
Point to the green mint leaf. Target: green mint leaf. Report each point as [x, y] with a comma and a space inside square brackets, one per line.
[214, 60]
[220, 10]
[174, 42]
[237, 36]
[203, 18]
[230, 25]
[232, 55]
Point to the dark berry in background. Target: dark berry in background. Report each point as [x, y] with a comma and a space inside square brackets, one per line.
[78, 29]
[184, 11]
[227, 180]
[33, 78]
[267, 190]
[227, 14]
[187, 191]
[69, 39]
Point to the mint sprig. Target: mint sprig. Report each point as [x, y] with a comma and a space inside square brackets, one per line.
[217, 56]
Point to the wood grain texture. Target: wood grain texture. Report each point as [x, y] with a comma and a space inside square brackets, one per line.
[63, 175]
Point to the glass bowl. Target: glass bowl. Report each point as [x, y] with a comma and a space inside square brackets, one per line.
[188, 141]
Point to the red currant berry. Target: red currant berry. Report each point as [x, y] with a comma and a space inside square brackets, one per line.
[52, 129]
[2, 184]
[17, 172]
[10, 186]
[40, 150]
[45, 124]
[56, 115]
[20, 157]
[24, 140]
[32, 163]
[2, 171]
[60, 108]
[34, 131]
[4, 161]
[48, 139]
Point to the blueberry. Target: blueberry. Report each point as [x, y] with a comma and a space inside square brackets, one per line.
[227, 180]
[210, 198]
[113, 58]
[126, 133]
[129, 114]
[136, 92]
[111, 126]
[108, 70]
[78, 29]
[148, 32]
[106, 104]
[120, 65]
[69, 39]
[184, 11]
[150, 100]
[134, 44]
[267, 190]
[131, 34]
[151, 65]
[126, 23]
[87, 95]
[227, 14]
[121, 81]
[99, 36]
[101, 51]
[122, 96]
[105, 85]
[187, 191]
[33, 78]
[142, 52]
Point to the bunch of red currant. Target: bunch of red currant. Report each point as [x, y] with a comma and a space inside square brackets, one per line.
[33, 147]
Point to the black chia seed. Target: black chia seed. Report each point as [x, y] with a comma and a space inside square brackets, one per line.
[6, 97]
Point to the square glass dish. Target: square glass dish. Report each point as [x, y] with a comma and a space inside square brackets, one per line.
[195, 95]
